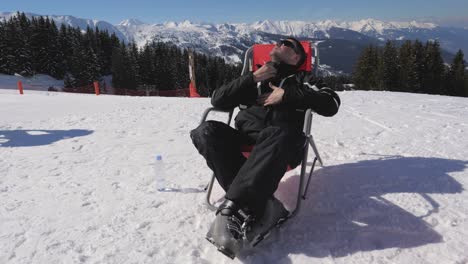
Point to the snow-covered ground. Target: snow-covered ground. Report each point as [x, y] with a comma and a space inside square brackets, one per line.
[76, 182]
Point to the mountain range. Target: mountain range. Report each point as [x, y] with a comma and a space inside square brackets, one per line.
[340, 42]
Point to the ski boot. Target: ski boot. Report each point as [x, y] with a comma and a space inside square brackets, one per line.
[227, 231]
[275, 215]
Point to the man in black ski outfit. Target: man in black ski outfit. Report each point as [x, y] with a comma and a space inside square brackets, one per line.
[274, 99]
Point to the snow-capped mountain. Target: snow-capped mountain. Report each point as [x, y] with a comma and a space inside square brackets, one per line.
[230, 40]
[72, 21]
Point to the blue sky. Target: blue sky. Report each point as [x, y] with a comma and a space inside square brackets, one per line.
[445, 12]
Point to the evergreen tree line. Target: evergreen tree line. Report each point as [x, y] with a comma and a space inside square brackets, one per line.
[338, 82]
[38, 46]
[165, 67]
[412, 67]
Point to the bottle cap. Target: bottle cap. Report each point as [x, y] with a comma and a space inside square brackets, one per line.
[158, 157]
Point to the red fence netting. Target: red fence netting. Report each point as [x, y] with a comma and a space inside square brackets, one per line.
[90, 89]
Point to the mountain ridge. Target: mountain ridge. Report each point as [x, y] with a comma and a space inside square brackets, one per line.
[230, 40]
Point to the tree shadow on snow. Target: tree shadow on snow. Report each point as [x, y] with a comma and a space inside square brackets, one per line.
[33, 137]
[349, 208]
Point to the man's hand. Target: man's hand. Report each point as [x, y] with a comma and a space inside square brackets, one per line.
[265, 72]
[272, 98]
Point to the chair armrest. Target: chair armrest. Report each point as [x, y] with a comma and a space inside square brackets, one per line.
[307, 117]
[307, 122]
[213, 109]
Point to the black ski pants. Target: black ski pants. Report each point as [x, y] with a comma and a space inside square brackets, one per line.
[248, 182]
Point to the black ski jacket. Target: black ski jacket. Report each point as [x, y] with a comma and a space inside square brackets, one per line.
[289, 114]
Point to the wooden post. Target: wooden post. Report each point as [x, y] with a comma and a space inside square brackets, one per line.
[20, 87]
[96, 88]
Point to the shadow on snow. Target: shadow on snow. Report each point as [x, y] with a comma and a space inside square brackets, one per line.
[347, 212]
[33, 137]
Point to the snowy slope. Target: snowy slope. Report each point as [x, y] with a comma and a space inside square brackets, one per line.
[76, 182]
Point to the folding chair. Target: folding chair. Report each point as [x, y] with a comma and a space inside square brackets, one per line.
[255, 56]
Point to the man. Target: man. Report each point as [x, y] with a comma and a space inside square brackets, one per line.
[272, 120]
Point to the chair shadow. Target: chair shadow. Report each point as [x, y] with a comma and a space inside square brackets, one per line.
[348, 209]
[37, 137]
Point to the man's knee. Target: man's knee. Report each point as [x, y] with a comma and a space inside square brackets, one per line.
[205, 131]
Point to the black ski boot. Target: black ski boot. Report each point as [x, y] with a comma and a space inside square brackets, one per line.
[227, 231]
[274, 215]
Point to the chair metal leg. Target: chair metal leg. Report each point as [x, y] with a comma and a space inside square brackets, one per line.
[209, 189]
[301, 183]
[314, 147]
[308, 180]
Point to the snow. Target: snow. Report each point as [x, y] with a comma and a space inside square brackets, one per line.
[77, 182]
[378, 26]
[327, 70]
[131, 22]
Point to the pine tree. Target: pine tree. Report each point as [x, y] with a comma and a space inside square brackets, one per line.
[55, 63]
[123, 74]
[64, 43]
[3, 48]
[39, 45]
[146, 66]
[104, 56]
[83, 63]
[367, 69]
[434, 69]
[405, 55]
[466, 83]
[182, 68]
[24, 50]
[167, 69]
[457, 75]
[132, 66]
[411, 66]
[108, 44]
[16, 53]
[419, 65]
[92, 67]
[390, 67]
[77, 68]
[118, 68]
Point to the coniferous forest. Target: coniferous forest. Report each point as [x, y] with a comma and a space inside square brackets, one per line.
[79, 57]
[412, 67]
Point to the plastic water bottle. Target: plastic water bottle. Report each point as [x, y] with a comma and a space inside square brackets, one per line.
[159, 174]
[160, 179]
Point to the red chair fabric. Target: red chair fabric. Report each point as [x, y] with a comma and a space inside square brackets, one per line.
[246, 149]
